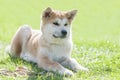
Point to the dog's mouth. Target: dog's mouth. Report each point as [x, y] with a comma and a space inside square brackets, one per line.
[62, 36]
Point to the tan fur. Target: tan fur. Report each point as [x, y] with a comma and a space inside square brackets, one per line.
[42, 48]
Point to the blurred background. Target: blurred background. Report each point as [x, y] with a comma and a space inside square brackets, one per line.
[96, 19]
[96, 34]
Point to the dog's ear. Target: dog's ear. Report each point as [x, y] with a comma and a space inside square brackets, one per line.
[47, 12]
[71, 14]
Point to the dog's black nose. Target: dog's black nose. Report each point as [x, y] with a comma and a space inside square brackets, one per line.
[64, 32]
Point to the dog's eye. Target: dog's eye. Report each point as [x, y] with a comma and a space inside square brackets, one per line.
[55, 23]
[65, 24]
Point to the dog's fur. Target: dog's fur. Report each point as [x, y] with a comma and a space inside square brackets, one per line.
[50, 47]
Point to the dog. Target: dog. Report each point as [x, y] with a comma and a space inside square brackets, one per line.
[51, 46]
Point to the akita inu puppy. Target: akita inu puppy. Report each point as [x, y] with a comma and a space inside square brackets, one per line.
[50, 47]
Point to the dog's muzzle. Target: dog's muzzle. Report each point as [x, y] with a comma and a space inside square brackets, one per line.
[63, 34]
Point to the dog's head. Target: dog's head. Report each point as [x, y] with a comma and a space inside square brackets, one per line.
[56, 24]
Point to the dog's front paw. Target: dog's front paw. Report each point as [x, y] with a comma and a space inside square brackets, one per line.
[66, 72]
[80, 68]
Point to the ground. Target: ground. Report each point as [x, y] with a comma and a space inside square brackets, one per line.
[96, 37]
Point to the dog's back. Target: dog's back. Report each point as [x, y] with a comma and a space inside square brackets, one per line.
[20, 39]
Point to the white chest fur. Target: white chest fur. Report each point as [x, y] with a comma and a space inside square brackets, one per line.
[59, 52]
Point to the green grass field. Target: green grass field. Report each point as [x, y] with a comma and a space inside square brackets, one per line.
[96, 37]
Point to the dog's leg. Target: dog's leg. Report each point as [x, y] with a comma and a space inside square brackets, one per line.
[47, 64]
[19, 40]
[74, 65]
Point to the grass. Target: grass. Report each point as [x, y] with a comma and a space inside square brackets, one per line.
[96, 37]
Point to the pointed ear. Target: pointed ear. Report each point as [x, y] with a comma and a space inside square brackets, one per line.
[71, 14]
[47, 12]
